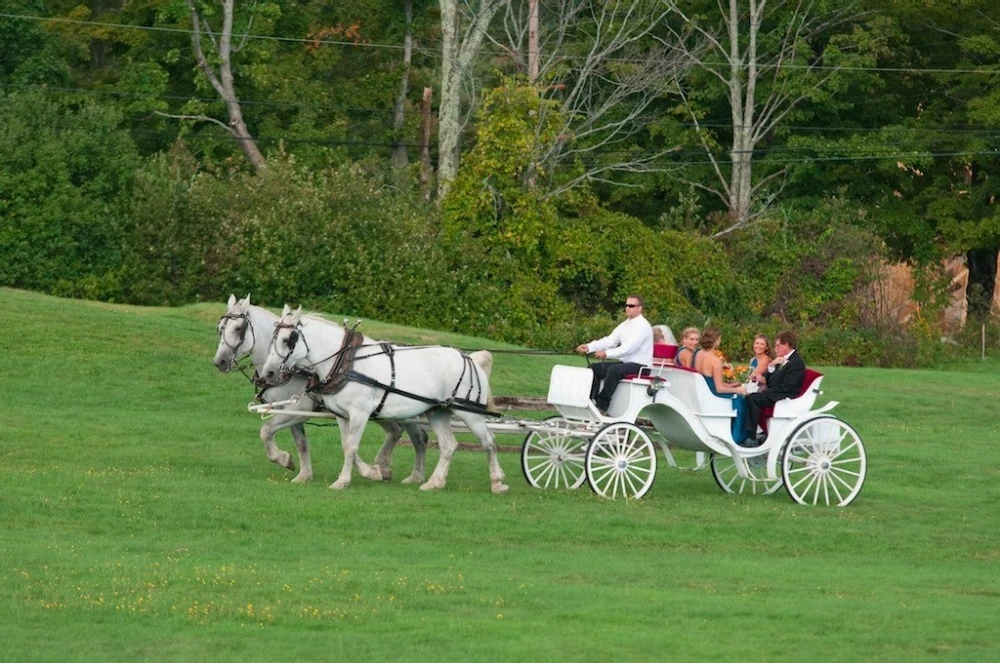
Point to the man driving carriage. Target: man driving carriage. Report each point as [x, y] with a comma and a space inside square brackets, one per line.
[631, 343]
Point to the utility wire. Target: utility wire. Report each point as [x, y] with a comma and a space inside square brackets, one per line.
[785, 65]
[708, 124]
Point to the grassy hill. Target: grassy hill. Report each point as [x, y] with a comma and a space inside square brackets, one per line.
[142, 521]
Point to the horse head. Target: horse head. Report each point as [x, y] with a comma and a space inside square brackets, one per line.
[234, 341]
[288, 347]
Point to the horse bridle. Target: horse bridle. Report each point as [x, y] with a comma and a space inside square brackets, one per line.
[245, 317]
[293, 339]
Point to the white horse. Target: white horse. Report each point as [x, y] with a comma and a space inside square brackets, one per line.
[360, 378]
[245, 330]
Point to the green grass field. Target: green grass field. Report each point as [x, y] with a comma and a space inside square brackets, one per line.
[141, 521]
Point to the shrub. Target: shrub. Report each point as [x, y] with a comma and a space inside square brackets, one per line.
[65, 184]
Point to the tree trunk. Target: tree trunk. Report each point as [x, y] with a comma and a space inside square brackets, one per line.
[532, 41]
[399, 158]
[457, 56]
[223, 81]
[425, 142]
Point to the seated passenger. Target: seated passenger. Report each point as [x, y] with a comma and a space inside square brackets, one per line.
[664, 345]
[783, 379]
[761, 357]
[689, 347]
[709, 364]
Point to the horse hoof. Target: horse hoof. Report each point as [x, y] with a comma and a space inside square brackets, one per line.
[500, 488]
[339, 485]
[430, 485]
[302, 478]
[413, 478]
[286, 462]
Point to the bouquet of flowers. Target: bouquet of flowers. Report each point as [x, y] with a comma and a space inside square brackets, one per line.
[739, 373]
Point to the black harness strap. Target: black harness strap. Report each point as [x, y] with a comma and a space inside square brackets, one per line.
[388, 350]
[456, 404]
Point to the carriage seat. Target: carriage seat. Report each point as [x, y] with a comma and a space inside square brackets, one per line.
[689, 387]
[718, 414]
[569, 393]
[790, 408]
[663, 355]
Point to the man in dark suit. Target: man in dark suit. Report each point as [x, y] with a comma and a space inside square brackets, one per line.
[783, 380]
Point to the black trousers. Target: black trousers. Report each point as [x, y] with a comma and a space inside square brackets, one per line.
[754, 404]
[611, 372]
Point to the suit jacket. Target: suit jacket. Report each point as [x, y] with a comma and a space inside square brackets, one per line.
[786, 381]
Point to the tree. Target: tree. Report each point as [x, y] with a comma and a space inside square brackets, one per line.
[768, 58]
[220, 76]
[463, 29]
[607, 66]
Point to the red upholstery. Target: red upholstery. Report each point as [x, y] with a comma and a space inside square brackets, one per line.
[664, 351]
[768, 412]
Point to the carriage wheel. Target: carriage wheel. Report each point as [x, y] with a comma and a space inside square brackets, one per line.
[550, 459]
[824, 462]
[621, 462]
[729, 480]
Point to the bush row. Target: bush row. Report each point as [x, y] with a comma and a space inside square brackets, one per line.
[84, 216]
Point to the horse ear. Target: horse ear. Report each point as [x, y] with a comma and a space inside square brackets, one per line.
[232, 300]
[285, 310]
[246, 300]
[297, 316]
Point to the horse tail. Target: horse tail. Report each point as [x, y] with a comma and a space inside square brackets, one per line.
[484, 360]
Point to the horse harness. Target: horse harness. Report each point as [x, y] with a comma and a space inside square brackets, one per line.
[343, 372]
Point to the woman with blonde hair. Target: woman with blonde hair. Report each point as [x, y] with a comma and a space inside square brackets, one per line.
[689, 347]
[762, 356]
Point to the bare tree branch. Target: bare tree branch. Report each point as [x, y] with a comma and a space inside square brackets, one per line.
[747, 67]
[222, 79]
[603, 65]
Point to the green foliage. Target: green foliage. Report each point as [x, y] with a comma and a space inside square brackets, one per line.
[65, 183]
[816, 269]
[339, 238]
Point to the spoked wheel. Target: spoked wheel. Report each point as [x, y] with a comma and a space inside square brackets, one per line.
[551, 459]
[729, 480]
[621, 462]
[824, 462]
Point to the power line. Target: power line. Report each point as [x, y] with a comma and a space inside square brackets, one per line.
[125, 26]
[153, 28]
[175, 97]
[708, 124]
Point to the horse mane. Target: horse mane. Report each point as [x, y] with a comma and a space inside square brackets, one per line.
[313, 315]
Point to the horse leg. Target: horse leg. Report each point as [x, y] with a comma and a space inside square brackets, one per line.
[275, 454]
[477, 425]
[383, 461]
[418, 436]
[302, 446]
[441, 423]
[350, 439]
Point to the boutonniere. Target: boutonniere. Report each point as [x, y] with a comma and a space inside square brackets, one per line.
[779, 362]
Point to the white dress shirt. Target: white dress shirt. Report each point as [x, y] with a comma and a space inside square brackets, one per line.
[631, 341]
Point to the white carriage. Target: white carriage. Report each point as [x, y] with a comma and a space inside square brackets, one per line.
[818, 458]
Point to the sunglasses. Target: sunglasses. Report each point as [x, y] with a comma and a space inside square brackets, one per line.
[632, 305]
